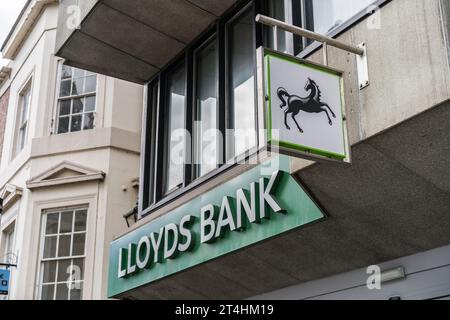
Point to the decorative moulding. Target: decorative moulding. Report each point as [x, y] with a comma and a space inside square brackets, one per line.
[64, 173]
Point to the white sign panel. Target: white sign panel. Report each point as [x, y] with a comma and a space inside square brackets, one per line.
[304, 107]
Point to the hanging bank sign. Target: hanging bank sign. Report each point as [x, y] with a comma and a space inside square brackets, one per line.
[245, 210]
[303, 106]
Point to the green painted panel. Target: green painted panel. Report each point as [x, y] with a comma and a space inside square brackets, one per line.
[299, 208]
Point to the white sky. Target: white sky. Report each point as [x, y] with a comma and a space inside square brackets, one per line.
[9, 11]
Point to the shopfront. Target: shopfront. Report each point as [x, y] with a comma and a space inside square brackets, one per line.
[222, 213]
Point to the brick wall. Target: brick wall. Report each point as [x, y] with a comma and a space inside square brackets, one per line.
[4, 99]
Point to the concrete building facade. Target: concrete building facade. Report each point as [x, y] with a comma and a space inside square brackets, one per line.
[69, 164]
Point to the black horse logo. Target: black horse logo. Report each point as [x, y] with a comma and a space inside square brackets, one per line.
[310, 104]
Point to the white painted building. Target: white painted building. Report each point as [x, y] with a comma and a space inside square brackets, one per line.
[69, 164]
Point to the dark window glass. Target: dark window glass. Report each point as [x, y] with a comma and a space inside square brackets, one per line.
[49, 272]
[64, 245]
[62, 291]
[64, 267]
[64, 106]
[242, 85]
[52, 223]
[206, 137]
[176, 84]
[66, 222]
[48, 292]
[80, 220]
[50, 247]
[76, 123]
[326, 15]
[63, 125]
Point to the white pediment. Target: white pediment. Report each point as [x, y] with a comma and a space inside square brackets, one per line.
[10, 194]
[64, 173]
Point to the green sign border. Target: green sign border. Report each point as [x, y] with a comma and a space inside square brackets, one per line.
[268, 54]
[301, 210]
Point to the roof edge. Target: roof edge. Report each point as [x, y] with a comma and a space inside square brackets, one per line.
[20, 30]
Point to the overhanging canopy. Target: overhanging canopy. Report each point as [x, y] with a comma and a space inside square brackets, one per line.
[132, 39]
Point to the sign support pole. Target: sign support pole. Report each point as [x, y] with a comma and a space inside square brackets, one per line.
[325, 54]
[360, 51]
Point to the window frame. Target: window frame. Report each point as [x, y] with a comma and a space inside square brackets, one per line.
[217, 30]
[58, 99]
[213, 39]
[6, 240]
[310, 48]
[42, 236]
[21, 126]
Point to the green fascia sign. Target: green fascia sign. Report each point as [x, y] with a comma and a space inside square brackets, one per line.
[246, 210]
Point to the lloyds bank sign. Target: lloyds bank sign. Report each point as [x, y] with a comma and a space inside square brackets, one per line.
[246, 210]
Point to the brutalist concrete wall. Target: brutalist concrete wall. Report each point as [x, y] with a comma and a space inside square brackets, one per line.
[408, 65]
[71, 14]
[445, 17]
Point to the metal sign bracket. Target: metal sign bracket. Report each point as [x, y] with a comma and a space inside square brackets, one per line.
[363, 68]
[360, 51]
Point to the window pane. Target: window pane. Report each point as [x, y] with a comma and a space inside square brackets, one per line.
[91, 84]
[50, 247]
[22, 137]
[64, 246]
[329, 14]
[78, 244]
[78, 269]
[62, 291]
[176, 109]
[206, 138]
[66, 222]
[77, 86]
[80, 220]
[64, 269]
[65, 88]
[242, 83]
[49, 272]
[52, 223]
[89, 104]
[66, 72]
[77, 106]
[76, 123]
[63, 125]
[277, 11]
[48, 292]
[76, 291]
[88, 121]
[25, 105]
[64, 107]
[78, 72]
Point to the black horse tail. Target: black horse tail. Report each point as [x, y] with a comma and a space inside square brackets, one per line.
[282, 92]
